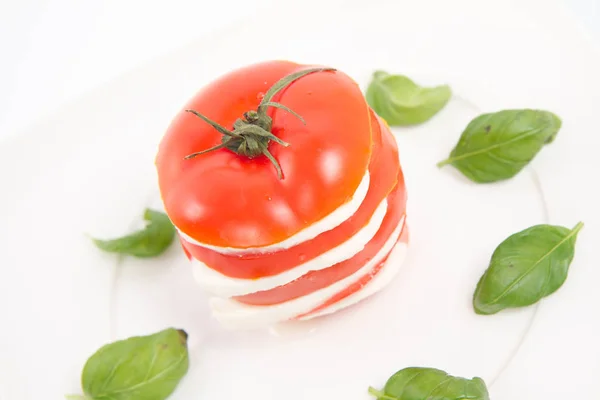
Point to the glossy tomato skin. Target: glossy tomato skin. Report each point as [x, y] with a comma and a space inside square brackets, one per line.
[385, 173]
[227, 200]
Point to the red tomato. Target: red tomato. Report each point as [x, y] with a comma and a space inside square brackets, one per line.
[316, 280]
[229, 200]
[384, 169]
[358, 285]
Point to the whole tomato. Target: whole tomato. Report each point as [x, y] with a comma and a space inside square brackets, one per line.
[264, 152]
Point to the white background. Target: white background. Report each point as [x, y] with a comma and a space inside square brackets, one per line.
[55, 50]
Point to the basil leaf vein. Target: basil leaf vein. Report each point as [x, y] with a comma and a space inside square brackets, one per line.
[499, 145]
[418, 383]
[401, 102]
[139, 368]
[526, 267]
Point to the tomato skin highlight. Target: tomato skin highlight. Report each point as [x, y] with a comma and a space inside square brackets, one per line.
[227, 200]
[384, 169]
[316, 280]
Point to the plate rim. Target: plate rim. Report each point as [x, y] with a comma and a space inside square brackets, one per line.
[24, 135]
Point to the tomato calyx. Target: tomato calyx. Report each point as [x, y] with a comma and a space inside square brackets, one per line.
[251, 135]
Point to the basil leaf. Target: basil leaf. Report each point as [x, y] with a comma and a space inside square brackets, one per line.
[138, 368]
[430, 384]
[151, 241]
[400, 101]
[497, 146]
[526, 267]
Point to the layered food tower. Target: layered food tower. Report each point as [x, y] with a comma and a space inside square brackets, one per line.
[287, 193]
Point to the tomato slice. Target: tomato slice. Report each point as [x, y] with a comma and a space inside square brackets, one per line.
[384, 168]
[185, 250]
[316, 280]
[361, 283]
[227, 200]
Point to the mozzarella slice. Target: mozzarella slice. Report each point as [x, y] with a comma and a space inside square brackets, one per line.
[378, 282]
[234, 315]
[221, 285]
[331, 221]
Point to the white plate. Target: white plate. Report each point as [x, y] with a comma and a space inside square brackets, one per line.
[90, 169]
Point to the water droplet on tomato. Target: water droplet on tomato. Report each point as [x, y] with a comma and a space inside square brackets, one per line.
[269, 198]
[302, 257]
[260, 96]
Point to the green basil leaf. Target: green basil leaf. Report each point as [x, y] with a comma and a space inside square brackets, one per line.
[526, 267]
[497, 146]
[138, 368]
[430, 384]
[151, 241]
[400, 101]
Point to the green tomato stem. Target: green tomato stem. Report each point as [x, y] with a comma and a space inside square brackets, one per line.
[251, 135]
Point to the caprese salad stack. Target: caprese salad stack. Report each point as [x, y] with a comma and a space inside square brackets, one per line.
[287, 193]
